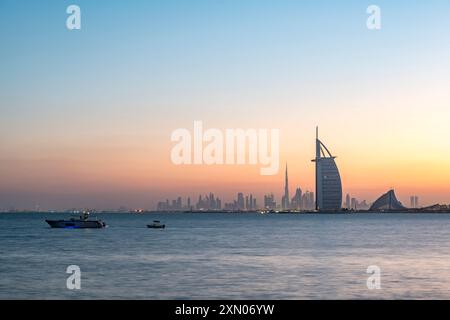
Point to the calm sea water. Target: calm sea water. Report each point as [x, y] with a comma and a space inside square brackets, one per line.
[228, 256]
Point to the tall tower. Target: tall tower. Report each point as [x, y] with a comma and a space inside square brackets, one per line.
[286, 190]
[328, 179]
[317, 166]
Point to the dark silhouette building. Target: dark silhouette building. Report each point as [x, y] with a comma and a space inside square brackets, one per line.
[328, 179]
[387, 201]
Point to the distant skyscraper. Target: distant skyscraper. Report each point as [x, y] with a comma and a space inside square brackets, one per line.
[269, 202]
[189, 203]
[354, 204]
[285, 200]
[240, 201]
[414, 202]
[199, 202]
[328, 180]
[218, 203]
[347, 202]
[307, 201]
[311, 202]
[296, 202]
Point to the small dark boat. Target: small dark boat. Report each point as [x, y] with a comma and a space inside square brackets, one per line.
[156, 225]
[77, 223]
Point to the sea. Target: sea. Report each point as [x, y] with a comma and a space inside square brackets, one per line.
[228, 256]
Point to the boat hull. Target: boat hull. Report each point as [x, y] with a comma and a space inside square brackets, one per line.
[76, 224]
[156, 226]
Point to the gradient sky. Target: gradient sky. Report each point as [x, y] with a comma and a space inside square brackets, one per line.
[86, 116]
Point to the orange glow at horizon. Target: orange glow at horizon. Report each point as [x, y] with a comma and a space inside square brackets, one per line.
[119, 169]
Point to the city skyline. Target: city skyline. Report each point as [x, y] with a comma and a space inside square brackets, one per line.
[328, 195]
[87, 115]
[326, 168]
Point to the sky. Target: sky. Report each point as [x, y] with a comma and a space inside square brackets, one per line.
[86, 115]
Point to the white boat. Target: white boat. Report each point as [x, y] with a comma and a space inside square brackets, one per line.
[81, 222]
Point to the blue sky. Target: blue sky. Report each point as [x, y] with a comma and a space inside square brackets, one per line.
[198, 46]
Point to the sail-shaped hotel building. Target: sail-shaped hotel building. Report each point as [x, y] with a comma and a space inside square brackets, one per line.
[328, 179]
